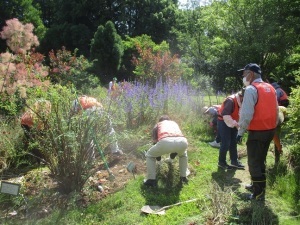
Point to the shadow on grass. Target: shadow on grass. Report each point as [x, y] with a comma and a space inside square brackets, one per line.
[225, 178]
[168, 189]
[238, 209]
[257, 212]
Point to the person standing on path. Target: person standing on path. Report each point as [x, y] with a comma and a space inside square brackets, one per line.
[227, 127]
[258, 115]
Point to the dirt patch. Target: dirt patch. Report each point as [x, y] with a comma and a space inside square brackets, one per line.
[39, 191]
[118, 166]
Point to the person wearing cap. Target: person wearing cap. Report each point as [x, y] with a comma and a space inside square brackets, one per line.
[282, 97]
[258, 116]
[168, 139]
[213, 112]
[227, 127]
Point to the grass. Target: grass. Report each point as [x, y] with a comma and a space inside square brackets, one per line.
[220, 197]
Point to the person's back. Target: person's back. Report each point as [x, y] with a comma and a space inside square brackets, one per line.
[282, 97]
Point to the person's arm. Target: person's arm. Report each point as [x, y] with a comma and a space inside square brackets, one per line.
[247, 109]
[227, 111]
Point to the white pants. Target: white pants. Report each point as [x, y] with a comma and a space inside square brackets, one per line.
[166, 146]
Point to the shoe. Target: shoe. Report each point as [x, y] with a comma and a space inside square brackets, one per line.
[238, 165]
[150, 183]
[118, 152]
[224, 166]
[214, 144]
[249, 187]
[260, 197]
[184, 180]
[258, 188]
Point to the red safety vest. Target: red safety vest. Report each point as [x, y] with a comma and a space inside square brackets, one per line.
[168, 128]
[264, 117]
[235, 113]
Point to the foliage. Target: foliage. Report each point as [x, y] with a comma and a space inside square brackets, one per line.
[21, 70]
[19, 37]
[143, 103]
[287, 72]
[10, 143]
[294, 124]
[152, 64]
[66, 68]
[73, 36]
[69, 142]
[219, 34]
[107, 50]
[27, 11]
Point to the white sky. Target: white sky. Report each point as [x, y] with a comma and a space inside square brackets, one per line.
[202, 2]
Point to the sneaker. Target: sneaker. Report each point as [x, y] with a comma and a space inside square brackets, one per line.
[150, 183]
[224, 166]
[184, 180]
[118, 152]
[259, 197]
[214, 144]
[249, 187]
[237, 165]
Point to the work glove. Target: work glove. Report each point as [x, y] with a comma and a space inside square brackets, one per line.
[239, 139]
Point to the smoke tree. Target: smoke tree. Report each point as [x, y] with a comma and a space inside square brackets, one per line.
[20, 66]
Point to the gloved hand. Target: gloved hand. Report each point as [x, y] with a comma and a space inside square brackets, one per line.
[239, 139]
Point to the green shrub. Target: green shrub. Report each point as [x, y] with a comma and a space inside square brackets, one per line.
[10, 142]
[69, 141]
[294, 125]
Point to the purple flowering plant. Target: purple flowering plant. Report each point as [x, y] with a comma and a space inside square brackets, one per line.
[143, 103]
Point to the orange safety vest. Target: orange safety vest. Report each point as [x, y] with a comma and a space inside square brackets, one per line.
[29, 118]
[168, 128]
[88, 102]
[264, 117]
[235, 113]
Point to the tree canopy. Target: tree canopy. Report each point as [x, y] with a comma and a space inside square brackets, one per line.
[213, 40]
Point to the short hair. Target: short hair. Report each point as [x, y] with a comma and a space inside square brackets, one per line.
[257, 75]
[164, 117]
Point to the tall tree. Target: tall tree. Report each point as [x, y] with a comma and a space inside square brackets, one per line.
[235, 32]
[107, 51]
